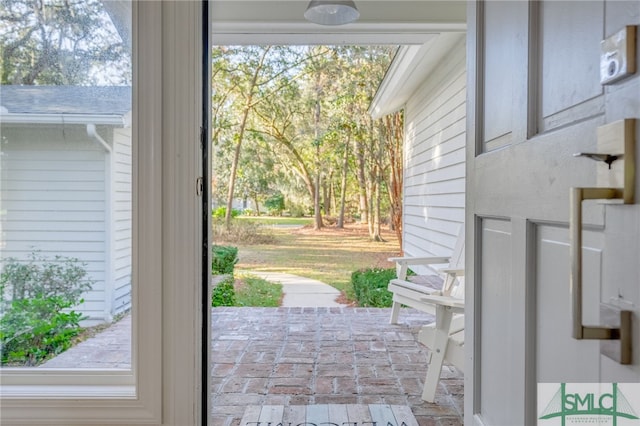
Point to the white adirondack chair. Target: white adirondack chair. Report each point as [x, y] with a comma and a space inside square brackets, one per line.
[445, 339]
[445, 336]
[410, 293]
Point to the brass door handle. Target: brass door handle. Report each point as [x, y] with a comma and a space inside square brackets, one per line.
[617, 137]
[580, 331]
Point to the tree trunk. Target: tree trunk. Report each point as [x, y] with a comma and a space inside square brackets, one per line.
[238, 149]
[255, 200]
[343, 184]
[377, 229]
[317, 217]
[327, 193]
[395, 138]
[362, 183]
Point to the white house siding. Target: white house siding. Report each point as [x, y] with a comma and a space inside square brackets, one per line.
[434, 169]
[122, 207]
[53, 200]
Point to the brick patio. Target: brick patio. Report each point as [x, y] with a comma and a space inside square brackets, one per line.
[300, 356]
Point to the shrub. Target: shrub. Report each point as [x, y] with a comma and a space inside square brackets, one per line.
[37, 321]
[221, 212]
[297, 210]
[224, 259]
[223, 294]
[275, 204]
[370, 287]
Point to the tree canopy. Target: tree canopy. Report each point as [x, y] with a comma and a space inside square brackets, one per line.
[70, 42]
[293, 120]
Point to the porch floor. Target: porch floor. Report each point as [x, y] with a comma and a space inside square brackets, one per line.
[301, 356]
[305, 356]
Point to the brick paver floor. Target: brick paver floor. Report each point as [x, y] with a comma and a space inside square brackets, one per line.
[299, 356]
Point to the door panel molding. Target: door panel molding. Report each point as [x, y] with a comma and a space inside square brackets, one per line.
[567, 77]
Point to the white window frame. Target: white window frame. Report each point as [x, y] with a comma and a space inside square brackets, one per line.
[163, 386]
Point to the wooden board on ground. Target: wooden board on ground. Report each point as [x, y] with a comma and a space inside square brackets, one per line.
[293, 415]
[329, 415]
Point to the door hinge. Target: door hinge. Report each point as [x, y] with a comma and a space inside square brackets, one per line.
[203, 135]
[199, 186]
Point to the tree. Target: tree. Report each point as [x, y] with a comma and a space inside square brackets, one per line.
[392, 129]
[71, 42]
[243, 78]
[308, 128]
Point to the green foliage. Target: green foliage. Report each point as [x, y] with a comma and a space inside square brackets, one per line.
[33, 330]
[220, 212]
[275, 204]
[224, 259]
[41, 277]
[257, 292]
[71, 42]
[223, 294]
[286, 115]
[37, 321]
[298, 210]
[370, 287]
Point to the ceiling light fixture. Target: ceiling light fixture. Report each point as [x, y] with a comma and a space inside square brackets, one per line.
[331, 12]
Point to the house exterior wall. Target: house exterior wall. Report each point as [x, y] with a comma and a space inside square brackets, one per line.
[122, 226]
[55, 200]
[434, 164]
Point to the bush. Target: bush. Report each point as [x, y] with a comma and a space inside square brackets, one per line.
[223, 294]
[370, 287]
[37, 322]
[275, 204]
[221, 212]
[224, 259]
[297, 210]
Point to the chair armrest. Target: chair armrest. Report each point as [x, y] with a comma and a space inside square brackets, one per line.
[456, 304]
[452, 271]
[420, 260]
[402, 263]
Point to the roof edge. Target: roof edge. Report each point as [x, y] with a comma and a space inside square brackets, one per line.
[99, 119]
[409, 69]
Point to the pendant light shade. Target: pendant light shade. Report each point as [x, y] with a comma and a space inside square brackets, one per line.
[331, 12]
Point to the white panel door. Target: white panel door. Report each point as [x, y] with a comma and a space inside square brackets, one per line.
[535, 99]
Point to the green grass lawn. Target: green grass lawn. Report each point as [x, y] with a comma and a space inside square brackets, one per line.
[329, 255]
[254, 291]
[276, 220]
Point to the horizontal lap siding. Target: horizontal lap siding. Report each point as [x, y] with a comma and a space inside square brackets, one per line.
[121, 193]
[52, 200]
[434, 176]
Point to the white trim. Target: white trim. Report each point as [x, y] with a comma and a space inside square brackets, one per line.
[112, 120]
[410, 67]
[235, 33]
[39, 396]
[109, 164]
[182, 214]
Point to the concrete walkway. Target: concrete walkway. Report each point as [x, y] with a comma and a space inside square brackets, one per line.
[301, 292]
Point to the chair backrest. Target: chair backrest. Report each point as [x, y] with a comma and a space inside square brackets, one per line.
[454, 284]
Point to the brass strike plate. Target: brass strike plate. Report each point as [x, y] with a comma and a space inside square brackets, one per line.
[612, 316]
[618, 139]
